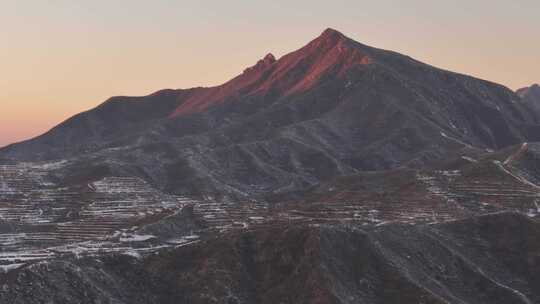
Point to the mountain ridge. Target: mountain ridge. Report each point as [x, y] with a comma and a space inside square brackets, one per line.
[333, 107]
[324, 53]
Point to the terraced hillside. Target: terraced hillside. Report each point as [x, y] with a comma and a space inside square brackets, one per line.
[42, 220]
[493, 182]
[485, 260]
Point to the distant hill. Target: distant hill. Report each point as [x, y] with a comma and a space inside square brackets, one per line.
[531, 96]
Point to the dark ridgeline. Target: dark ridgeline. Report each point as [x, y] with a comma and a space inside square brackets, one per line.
[338, 173]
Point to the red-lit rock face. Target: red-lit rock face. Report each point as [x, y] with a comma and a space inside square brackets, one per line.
[330, 54]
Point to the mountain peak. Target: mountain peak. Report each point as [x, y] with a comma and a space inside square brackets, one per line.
[262, 64]
[331, 55]
[268, 60]
[332, 33]
[330, 36]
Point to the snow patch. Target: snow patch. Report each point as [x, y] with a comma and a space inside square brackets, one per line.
[133, 253]
[454, 139]
[137, 238]
[10, 267]
[470, 159]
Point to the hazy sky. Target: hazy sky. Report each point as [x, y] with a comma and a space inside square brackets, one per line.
[60, 57]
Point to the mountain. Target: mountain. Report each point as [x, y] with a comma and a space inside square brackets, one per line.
[338, 173]
[334, 107]
[531, 96]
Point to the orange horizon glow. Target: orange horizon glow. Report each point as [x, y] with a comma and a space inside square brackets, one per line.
[62, 57]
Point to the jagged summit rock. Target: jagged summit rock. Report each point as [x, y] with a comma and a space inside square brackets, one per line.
[330, 55]
[269, 58]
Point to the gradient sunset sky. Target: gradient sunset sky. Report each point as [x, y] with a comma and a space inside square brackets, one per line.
[61, 57]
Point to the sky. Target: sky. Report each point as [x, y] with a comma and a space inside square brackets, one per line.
[61, 57]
